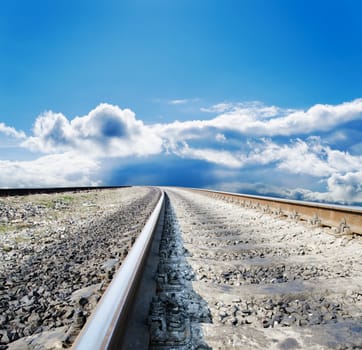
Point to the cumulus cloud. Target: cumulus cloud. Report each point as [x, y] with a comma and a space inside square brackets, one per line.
[256, 119]
[67, 169]
[223, 158]
[242, 138]
[52, 133]
[261, 189]
[345, 188]
[107, 131]
[9, 131]
[309, 156]
[317, 118]
[299, 156]
[338, 172]
[341, 189]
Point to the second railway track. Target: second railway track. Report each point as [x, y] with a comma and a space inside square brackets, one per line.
[257, 281]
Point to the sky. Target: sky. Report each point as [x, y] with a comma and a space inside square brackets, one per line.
[249, 96]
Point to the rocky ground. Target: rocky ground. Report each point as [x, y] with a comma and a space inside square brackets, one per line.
[58, 253]
[233, 277]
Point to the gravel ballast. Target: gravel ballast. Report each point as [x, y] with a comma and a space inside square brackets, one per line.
[269, 282]
[58, 253]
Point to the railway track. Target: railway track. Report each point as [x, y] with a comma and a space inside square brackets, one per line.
[223, 271]
[266, 281]
[229, 276]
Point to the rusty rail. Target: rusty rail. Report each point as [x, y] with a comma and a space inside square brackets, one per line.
[345, 220]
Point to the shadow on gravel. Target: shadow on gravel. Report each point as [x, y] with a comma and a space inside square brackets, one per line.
[177, 311]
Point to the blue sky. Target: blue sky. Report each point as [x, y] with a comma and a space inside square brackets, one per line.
[266, 95]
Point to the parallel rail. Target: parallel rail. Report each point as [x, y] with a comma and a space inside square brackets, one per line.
[345, 220]
[106, 327]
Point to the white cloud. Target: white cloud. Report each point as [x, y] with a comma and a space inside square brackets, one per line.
[244, 137]
[107, 131]
[255, 119]
[260, 189]
[223, 158]
[183, 101]
[338, 170]
[220, 137]
[9, 131]
[346, 188]
[317, 118]
[303, 157]
[308, 157]
[343, 189]
[178, 102]
[67, 169]
[52, 133]
[255, 108]
[218, 108]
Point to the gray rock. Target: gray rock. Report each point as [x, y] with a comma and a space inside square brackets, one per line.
[4, 338]
[288, 321]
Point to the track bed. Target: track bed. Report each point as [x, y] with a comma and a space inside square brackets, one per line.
[236, 278]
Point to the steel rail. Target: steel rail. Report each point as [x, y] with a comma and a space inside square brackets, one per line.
[105, 328]
[345, 220]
